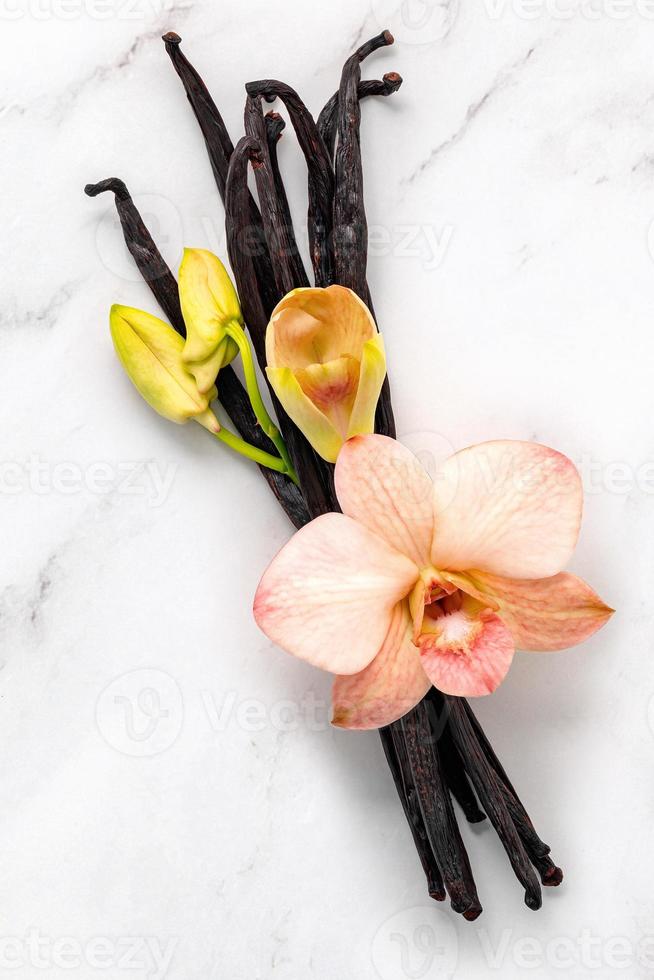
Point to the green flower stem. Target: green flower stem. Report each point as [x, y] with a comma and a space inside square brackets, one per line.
[258, 455]
[237, 334]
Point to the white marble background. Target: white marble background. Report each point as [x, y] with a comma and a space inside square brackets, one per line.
[172, 803]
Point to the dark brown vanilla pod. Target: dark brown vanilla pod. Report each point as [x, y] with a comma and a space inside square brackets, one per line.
[350, 225]
[438, 813]
[384, 418]
[163, 285]
[243, 245]
[485, 782]
[519, 813]
[287, 266]
[234, 399]
[315, 476]
[328, 118]
[402, 777]
[219, 149]
[456, 778]
[216, 137]
[143, 250]
[538, 850]
[275, 126]
[320, 174]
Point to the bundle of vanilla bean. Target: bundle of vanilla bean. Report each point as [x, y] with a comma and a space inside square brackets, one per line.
[438, 752]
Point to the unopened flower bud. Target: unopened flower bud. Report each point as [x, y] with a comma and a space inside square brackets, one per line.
[209, 304]
[151, 353]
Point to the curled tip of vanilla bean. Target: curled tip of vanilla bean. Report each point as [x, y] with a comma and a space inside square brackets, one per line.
[256, 156]
[171, 38]
[382, 40]
[550, 875]
[387, 85]
[262, 87]
[114, 184]
[275, 125]
[393, 80]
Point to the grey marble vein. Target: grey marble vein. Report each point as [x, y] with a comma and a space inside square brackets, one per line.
[42, 317]
[503, 78]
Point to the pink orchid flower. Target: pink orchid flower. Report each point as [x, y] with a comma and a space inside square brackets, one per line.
[420, 582]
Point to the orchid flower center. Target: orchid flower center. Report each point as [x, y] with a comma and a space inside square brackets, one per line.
[427, 599]
[442, 613]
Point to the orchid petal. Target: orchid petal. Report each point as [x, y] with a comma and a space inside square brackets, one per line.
[313, 324]
[389, 687]
[467, 652]
[328, 596]
[371, 379]
[543, 614]
[309, 419]
[509, 508]
[383, 486]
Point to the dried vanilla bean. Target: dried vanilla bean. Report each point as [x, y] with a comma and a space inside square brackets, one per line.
[456, 778]
[320, 174]
[143, 250]
[438, 814]
[234, 399]
[163, 285]
[328, 118]
[315, 477]
[507, 786]
[405, 786]
[287, 266]
[485, 782]
[538, 850]
[350, 226]
[220, 148]
[275, 126]
[242, 246]
[216, 137]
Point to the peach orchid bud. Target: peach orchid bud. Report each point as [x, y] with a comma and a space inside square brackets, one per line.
[326, 363]
[209, 305]
[151, 353]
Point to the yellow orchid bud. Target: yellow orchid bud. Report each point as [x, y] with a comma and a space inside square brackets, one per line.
[326, 363]
[151, 353]
[209, 304]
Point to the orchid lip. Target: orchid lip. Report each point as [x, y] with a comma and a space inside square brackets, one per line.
[428, 599]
